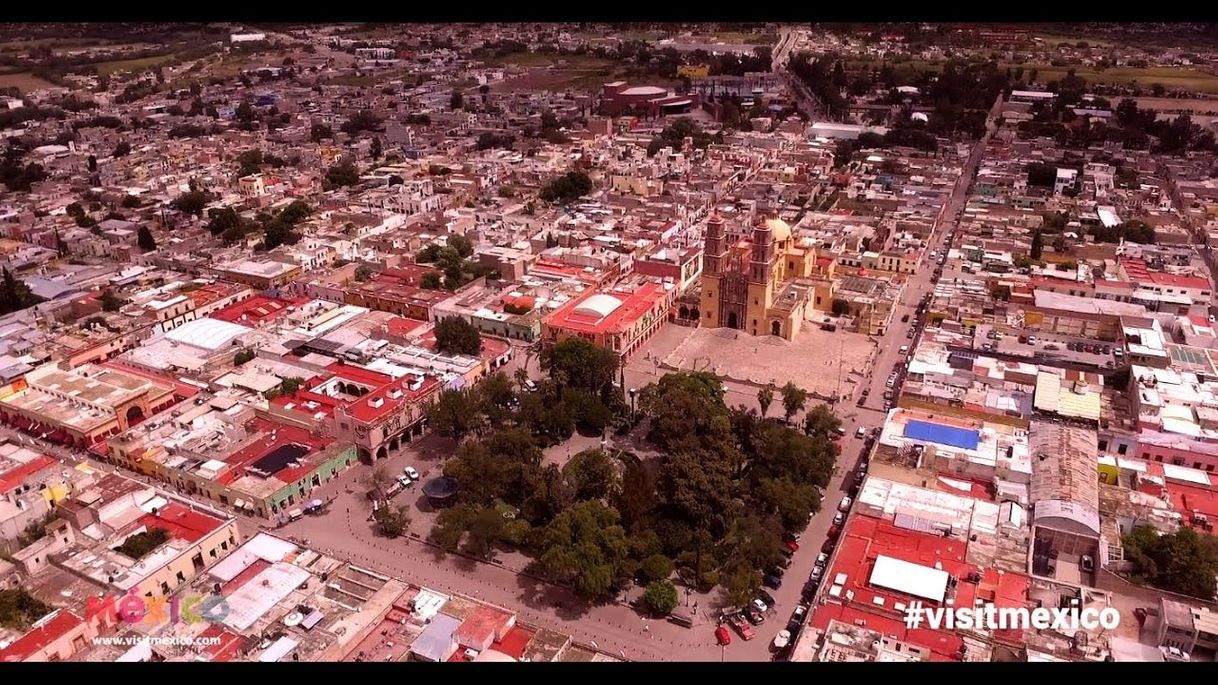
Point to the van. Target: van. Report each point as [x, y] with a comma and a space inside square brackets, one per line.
[295, 515]
[904, 349]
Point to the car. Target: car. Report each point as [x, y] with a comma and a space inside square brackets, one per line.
[904, 318]
[1110, 364]
[827, 548]
[844, 505]
[839, 430]
[753, 615]
[808, 593]
[1051, 347]
[1106, 349]
[410, 473]
[404, 481]
[771, 581]
[761, 605]
[766, 597]
[791, 535]
[1118, 353]
[787, 551]
[866, 392]
[791, 545]
[822, 559]
[1031, 340]
[890, 382]
[782, 639]
[784, 563]
[800, 613]
[834, 531]
[839, 518]
[530, 386]
[740, 625]
[817, 572]
[723, 636]
[909, 335]
[1073, 347]
[776, 571]
[860, 433]
[1023, 339]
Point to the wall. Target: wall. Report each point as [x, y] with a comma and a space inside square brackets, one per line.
[211, 547]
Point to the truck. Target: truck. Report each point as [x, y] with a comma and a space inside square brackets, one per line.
[739, 624]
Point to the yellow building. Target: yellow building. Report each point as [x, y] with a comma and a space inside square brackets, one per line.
[762, 285]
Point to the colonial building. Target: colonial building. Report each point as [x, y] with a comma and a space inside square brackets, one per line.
[760, 285]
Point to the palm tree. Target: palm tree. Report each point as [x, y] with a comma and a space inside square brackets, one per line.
[765, 397]
[521, 375]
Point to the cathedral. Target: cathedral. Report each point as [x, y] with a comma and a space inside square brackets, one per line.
[764, 285]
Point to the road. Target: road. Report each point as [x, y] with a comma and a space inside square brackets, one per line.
[922, 282]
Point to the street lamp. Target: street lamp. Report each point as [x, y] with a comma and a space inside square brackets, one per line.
[632, 392]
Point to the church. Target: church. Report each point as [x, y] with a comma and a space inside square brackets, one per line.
[764, 285]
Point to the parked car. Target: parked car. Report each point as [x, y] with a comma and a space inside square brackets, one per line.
[1031, 340]
[771, 581]
[834, 531]
[1023, 339]
[410, 473]
[1052, 348]
[844, 505]
[722, 636]
[904, 318]
[1106, 349]
[766, 597]
[784, 563]
[817, 572]
[776, 571]
[800, 613]
[839, 518]
[791, 545]
[781, 640]
[822, 559]
[860, 433]
[761, 605]
[791, 535]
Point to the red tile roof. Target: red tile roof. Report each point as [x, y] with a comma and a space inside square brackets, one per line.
[633, 306]
[227, 647]
[37, 639]
[16, 476]
[182, 522]
[254, 310]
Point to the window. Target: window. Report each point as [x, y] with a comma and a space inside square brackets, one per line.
[181, 577]
[224, 546]
[1122, 449]
[1103, 445]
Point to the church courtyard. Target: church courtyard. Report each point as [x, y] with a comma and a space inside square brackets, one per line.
[812, 360]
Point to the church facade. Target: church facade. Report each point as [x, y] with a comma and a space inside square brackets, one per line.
[763, 285]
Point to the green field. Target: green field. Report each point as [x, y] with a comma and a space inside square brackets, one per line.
[24, 80]
[140, 64]
[1168, 77]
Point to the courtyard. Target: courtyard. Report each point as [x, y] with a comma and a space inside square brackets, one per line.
[816, 360]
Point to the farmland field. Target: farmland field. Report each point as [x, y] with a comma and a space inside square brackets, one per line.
[1169, 77]
[24, 80]
[133, 64]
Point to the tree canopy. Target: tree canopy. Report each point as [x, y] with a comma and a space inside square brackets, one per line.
[1185, 561]
[456, 335]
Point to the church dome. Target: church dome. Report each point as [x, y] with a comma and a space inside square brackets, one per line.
[780, 229]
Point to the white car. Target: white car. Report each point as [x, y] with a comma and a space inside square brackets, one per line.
[410, 473]
[822, 559]
[782, 639]
[860, 433]
[844, 505]
[760, 606]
